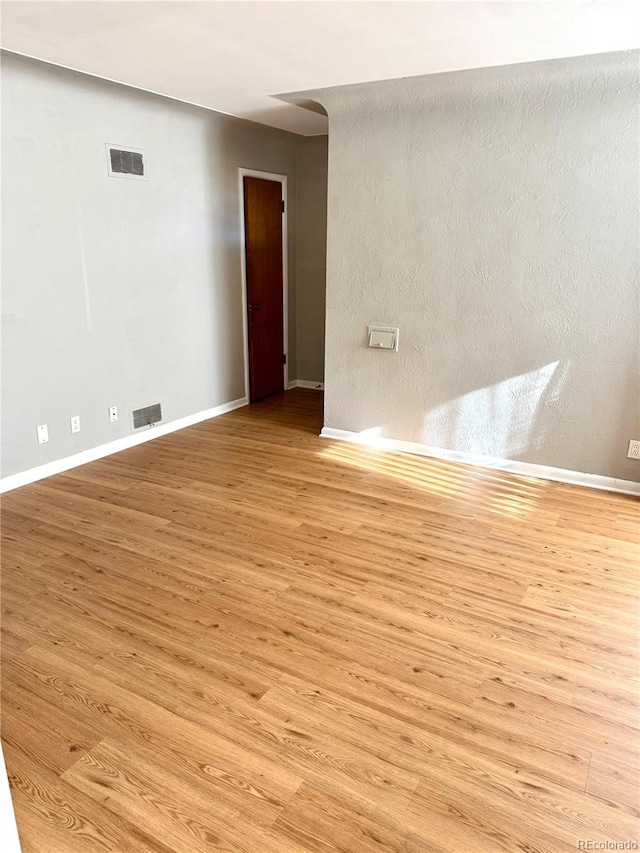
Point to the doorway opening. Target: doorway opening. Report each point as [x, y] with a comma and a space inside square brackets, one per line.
[264, 282]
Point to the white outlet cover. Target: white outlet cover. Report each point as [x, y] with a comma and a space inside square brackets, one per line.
[75, 423]
[634, 449]
[113, 414]
[43, 434]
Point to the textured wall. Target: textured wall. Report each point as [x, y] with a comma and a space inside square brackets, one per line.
[120, 292]
[311, 274]
[493, 216]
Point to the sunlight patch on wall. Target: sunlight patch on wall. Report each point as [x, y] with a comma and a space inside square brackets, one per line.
[498, 420]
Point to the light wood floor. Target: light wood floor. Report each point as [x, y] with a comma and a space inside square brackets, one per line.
[241, 637]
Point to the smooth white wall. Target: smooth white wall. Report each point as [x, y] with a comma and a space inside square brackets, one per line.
[115, 291]
[493, 216]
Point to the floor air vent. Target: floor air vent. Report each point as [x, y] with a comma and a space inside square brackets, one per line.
[147, 416]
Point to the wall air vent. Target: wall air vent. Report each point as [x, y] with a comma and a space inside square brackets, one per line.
[125, 162]
[147, 417]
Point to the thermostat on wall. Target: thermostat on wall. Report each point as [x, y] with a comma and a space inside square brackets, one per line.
[384, 337]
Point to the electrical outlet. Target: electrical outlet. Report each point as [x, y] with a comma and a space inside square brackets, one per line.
[43, 434]
[113, 414]
[634, 449]
[75, 423]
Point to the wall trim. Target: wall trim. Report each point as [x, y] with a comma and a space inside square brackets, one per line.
[543, 472]
[14, 481]
[305, 383]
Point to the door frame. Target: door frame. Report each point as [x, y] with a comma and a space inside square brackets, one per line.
[282, 179]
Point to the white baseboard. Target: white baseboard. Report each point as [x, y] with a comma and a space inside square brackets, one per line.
[305, 383]
[543, 472]
[14, 481]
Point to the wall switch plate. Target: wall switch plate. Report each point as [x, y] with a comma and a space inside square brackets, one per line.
[383, 337]
[634, 449]
[75, 423]
[113, 414]
[43, 434]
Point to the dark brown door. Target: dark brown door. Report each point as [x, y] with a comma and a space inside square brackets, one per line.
[263, 238]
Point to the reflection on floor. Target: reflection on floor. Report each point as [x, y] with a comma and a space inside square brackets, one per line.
[242, 637]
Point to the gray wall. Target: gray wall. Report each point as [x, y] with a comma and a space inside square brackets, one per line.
[312, 251]
[115, 291]
[493, 216]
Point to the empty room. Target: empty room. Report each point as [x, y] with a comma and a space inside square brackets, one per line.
[320, 426]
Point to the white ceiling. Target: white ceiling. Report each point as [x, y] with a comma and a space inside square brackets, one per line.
[235, 57]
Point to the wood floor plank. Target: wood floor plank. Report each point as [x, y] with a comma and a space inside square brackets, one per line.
[242, 638]
[52, 815]
[187, 817]
[234, 776]
[330, 822]
[410, 746]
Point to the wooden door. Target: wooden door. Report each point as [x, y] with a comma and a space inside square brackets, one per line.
[263, 239]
